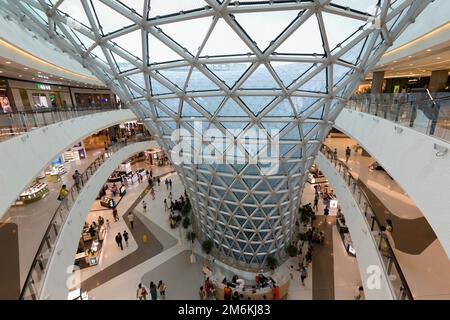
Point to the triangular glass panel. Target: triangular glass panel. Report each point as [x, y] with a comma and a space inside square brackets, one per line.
[229, 73]
[210, 104]
[182, 32]
[159, 52]
[340, 73]
[348, 28]
[131, 42]
[264, 33]
[139, 79]
[290, 72]
[199, 82]
[256, 104]
[164, 7]
[172, 104]
[232, 109]
[109, 20]
[189, 111]
[177, 76]
[216, 46]
[307, 39]
[158, 88]
[303, 103]
[260, 79]
[318, 83]
[122, 64]
[136, 6]
[354, 54]
[283, 109]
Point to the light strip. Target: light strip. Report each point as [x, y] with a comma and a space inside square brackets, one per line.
[444, 28]
[43, 62]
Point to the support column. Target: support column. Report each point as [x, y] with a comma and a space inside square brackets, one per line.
[377, 82]
[438, 80]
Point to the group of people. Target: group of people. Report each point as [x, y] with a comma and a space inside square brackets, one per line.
[122, 237]
[153, 290]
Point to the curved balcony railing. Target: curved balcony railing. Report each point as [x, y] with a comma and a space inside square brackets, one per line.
[35, 277]
[426, 112]
[392, 269]
[16, 123]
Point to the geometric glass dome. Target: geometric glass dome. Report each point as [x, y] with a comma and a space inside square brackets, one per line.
[285, 68]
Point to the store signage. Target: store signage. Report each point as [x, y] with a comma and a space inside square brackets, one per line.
[41, 86]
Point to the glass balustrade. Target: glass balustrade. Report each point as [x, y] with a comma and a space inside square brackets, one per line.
[35, 278]
[428, 113]
[397, 281]
[17, 123]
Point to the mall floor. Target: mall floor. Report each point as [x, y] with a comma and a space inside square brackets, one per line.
[423, 261]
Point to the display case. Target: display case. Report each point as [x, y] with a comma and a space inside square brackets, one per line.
[107, 202]
[35, 193]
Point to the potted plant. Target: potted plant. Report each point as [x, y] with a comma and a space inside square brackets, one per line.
[271, 262]
[291, 251]
[302, 237]
[207, 246]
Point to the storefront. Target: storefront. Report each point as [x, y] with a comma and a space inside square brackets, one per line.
[345, 235]
[89, 98]
[315, 176]
[90, 245]
[35, 192]
[156, 157]
[31, 96]
[5, 98]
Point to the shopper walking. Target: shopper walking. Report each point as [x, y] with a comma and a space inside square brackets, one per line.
[147, 174]
[108, 226]
[119, 240]
[335, 154]
[326, 212]
[162, 287]
[170, 184]
[170, 196]
[152, 193]
[159, 181]
[201, 293]
[115, 214]
[153, 291]
[77, 178]
[348, 152]
[106, 148]
[131, 219]
[144, 205]
[63, 196]
[141, 293]
[165, 205]
[303, 275]
[125, 237]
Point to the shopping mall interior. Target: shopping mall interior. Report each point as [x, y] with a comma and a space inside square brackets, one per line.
[225, 150]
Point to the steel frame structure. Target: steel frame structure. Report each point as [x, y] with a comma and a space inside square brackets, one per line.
[247, 214]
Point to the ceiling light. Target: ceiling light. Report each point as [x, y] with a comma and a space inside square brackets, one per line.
[439, 58]
[1, 71]
[20, 76]
[39, 72]
[25, 68]
[428, 50]
[8, 62]
[410, 57]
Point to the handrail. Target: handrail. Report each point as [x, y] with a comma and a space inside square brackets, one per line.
[405, 292]
[15, 123]
[59, 218]
[425, 112]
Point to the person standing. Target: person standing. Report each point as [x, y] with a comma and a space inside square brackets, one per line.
[335, 154]
[131, 219]
[108, 226]
[227, 293]
[165, 205]
[303, 275]
[119, 240]
[207, 288]
[141, 293]
[144, 205]
[166, 182]
[115, 215]
[77, 178]
[159, 181]
[125, 237]
[147, 174]
[360, 295]
[63, 196]
[170, 196]
[162, 289]
[170, 184]
[152, 193]
[153, 291]
[348, 152]
[316, 202]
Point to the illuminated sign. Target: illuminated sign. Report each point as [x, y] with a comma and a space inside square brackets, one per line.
[41, 86]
